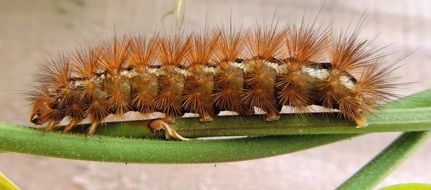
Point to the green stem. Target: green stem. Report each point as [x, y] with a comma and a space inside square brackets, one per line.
[154, 151]
[418, 119]
[382, 165]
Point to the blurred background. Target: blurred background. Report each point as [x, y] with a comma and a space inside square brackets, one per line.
[32, 31]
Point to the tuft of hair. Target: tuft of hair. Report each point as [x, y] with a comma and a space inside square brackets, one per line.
[202, 47]
[375, 85]
[56, 77]
[264, 42]
[56, 74]
[348, 52]
[173, 49]
[143, 52]
[306, 43]
[230, 45]
[114, 55]
[86, 62]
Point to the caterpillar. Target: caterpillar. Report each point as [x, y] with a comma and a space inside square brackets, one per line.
[216, 70]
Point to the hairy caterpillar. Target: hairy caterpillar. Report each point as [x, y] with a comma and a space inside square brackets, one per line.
[263, 67]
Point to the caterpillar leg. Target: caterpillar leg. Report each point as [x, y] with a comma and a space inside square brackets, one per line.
[361, 122]
[272, 116]
[50, 126]
[92, 128]
[158, 124]
[69, 126]
[205, 118]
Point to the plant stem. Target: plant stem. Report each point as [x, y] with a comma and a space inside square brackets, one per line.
[386, 161]
[155, 151]
[418, 119]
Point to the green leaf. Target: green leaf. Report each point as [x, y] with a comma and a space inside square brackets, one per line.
[117, 149]
[386, 161]
[392, 120]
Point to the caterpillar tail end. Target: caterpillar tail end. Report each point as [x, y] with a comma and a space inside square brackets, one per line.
[361, 122]
[158, 124]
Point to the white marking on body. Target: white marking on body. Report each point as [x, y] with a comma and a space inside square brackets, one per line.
[317, 73]
[209, 70]
[347, 82]
[282, 69]
[129, 74]
[273, 66]
[98, 79]
[237, 65]
[183, 72]
[154, 71]
[77, 83]
[246, 68]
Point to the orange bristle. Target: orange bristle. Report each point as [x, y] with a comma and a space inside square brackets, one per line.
[118, 95]
[230, 45]
[56, 76]
[376, 84]
[143, 52]
[264, 42]
[86, 62]
[174, 49]
[348, 52]
[97, 110]
[202, 47]
[75, 111]
[305, 44]
[114, 55]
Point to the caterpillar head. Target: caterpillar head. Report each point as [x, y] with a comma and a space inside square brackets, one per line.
[43, 109]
